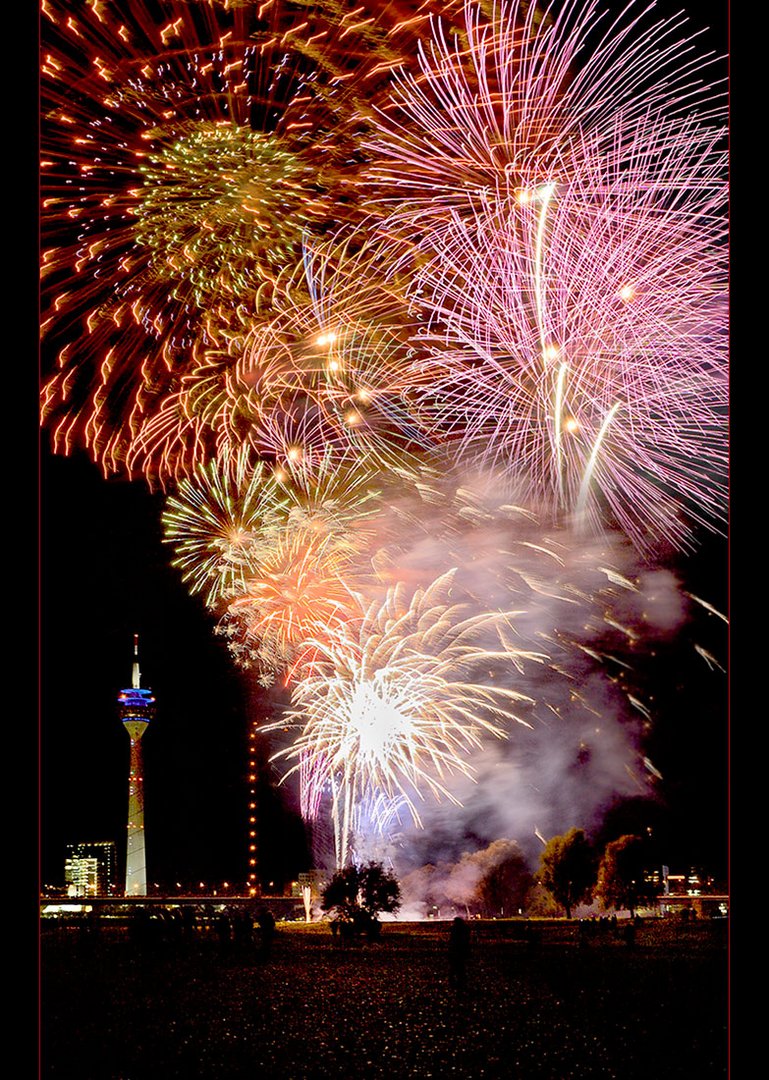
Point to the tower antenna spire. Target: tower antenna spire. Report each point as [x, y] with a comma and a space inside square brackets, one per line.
[135, 673]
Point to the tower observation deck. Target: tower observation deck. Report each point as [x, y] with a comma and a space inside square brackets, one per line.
[136, 707]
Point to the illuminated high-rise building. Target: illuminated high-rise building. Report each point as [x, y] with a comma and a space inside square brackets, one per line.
[137, 708]
[89, 868]
[81, 876]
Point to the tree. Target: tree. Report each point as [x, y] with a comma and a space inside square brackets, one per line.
[502, 889]
[539, 903]
[567, 869]
[621, 879]
[361, 893]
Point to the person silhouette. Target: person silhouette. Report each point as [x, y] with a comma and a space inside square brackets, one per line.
[266, 922]
[459, 948]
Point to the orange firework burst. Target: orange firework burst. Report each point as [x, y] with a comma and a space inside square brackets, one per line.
[299, 593]
[333, 369]
[189, 147]
[229, 526]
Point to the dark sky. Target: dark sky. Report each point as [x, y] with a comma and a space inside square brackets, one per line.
[105, 574]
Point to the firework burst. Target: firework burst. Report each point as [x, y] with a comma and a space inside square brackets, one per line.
[332, 370]
[571, 273]
[380, 291]
[189, 147]
[502, 106]
[395, 702]
[276, 549]
[624, 418]
[299, 592]
[223, 527]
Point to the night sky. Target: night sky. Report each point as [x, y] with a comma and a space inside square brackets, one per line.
[105, 574]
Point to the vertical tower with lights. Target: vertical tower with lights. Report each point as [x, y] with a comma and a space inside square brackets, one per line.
[253, 880]
[137, 708]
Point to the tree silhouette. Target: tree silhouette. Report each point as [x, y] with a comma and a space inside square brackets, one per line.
[361, 893]
[621, 879]
[567, 869]
[506, 881]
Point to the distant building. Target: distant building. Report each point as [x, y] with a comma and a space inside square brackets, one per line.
[316, 879]
[90, 868]
[688, 891]
[693, 882]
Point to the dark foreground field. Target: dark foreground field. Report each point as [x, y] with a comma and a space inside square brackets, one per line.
[552, 1008]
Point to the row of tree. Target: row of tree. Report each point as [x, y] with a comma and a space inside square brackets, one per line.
[573, 872]
[496, 881]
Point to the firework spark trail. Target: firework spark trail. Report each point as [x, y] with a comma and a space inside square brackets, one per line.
[570, 267]
[343, 356]
[227, 522]
[188, 149]
[630, 411]
[299, 591]
[513, 96]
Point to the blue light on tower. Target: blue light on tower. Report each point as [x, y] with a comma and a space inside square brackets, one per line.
[137, 708]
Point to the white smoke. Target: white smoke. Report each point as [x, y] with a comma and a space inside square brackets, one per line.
[493, 880]
[585, 601]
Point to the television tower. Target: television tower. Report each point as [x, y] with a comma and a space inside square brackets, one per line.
[137, 708]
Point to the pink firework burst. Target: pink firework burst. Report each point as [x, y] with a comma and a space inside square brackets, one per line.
[571, 262]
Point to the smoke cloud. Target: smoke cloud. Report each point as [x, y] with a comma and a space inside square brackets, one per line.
[585, 604]
[491, 881]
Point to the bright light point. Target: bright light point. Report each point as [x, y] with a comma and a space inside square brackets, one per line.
[571, 425]
[294, 453]
[333, 365]
[551, 352]
[363, 395]
[375, 723]
[352, 418]
[523, 196]
[327, 339]
[626, 293]
[280, 475]
[545, 191]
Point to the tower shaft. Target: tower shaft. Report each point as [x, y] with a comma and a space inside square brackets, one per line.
[136, 860]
